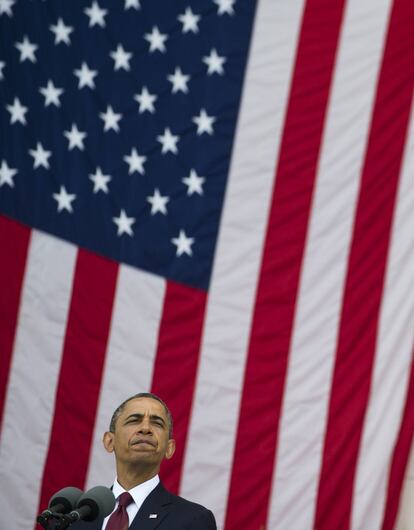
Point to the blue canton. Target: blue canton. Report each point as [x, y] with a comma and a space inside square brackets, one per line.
[117, 123]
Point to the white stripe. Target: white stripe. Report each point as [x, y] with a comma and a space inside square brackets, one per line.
[306, 398]
[130, 357]
[214, 421]
[393, 359]
[406, 511]
[33, 377]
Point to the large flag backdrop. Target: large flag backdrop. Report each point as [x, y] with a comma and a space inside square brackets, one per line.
[212, 200]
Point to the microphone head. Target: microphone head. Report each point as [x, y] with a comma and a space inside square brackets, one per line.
[67, 497]
[100, 500]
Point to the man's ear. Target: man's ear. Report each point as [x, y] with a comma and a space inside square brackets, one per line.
[108, 441]
[170, 449]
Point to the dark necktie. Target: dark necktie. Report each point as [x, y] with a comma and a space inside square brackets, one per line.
[119, 518]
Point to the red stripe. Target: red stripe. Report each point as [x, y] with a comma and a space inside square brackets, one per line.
[176, 366]
[80, 374]
[279, 279]
[400, 458]
[14, 244]
[365, 277]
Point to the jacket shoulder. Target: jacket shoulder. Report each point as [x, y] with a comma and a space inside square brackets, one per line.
[185, 504]
[190, 514]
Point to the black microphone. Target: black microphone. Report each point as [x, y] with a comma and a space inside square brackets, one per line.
[63, 501]
[96, 503]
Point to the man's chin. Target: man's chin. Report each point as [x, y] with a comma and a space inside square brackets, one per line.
[144, 455]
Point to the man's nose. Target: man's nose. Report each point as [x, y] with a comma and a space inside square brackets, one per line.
[145, 425]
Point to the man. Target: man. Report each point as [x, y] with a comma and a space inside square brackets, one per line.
[140, 436]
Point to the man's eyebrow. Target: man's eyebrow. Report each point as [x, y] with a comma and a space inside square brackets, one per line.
[139, 416]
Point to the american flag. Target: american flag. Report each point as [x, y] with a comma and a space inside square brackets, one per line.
[212, 200]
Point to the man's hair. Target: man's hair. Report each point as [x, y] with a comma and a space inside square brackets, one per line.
[118, 410]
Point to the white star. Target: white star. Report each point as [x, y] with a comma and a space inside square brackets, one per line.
[64, 200]
[85, 76]
[17, 112]
[158, 202]
[214, 63]
[2, 65]
[111, 119]
[75, 138]
[179, 81]
[121, 58]
[61, 32]
[194, 183]
[189, 21]
[225, 6]
[132, 3]
[156, 40]
[41, 156]
[5, 7]
[100, 181]
[51, 94]
[145, 100]
[6, 174]
[168, 141]
[124, 223]
[183, 244]
[135, 162]
[27, 50]
[96, 14]
[204, 122]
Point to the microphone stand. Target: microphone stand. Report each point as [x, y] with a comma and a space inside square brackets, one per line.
[57, 521]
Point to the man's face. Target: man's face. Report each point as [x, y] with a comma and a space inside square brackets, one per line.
[141, 435]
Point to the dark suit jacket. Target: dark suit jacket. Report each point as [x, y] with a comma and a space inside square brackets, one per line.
[172, 513]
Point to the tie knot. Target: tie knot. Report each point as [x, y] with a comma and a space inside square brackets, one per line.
[125, 499]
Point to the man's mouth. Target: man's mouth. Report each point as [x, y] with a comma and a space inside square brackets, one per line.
[141, 441]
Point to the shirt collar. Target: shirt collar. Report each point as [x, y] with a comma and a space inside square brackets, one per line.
[138, 493]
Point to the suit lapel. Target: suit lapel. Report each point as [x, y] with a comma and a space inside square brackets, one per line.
[153, 511]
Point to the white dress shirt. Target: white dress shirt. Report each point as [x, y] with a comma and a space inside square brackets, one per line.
[139, 494]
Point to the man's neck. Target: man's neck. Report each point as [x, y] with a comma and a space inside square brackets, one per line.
[130, 478]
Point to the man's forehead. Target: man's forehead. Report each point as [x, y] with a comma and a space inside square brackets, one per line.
[142, 405]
